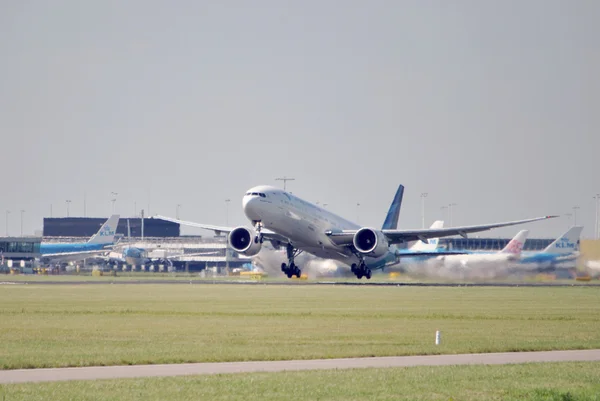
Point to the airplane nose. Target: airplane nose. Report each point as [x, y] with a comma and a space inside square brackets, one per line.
[250, 204]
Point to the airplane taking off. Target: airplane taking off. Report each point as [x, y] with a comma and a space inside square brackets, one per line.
[510, 253]
[300, 226]
[98, 243]
[564, 249]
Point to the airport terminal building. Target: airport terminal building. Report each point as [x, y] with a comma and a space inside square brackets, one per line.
[491, 244]
[88, 226]
[18, 252]
[153, 235]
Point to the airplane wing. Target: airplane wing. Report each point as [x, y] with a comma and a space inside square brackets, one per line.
[344, 237]
[267, 234]
[185, 255]
[68, 254]
[217, 229]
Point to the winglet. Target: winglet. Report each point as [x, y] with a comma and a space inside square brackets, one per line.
[391, 219]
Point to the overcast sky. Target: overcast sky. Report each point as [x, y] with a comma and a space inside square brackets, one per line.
[492, 105]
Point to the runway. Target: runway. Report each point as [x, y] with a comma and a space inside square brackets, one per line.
[122, 372]
[299, 282]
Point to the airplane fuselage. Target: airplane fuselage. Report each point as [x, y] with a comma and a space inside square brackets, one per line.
[51, 249]
[466, 261]
[305, 225]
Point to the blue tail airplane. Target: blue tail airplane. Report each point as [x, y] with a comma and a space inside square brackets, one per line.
[98, 243]
[564, 249]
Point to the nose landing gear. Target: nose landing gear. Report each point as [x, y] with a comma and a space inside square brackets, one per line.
[258, 237]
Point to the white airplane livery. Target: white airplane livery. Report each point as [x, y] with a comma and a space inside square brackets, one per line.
[510, 253]
[300, 226]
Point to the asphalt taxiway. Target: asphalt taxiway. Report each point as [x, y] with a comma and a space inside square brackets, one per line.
[136, 371]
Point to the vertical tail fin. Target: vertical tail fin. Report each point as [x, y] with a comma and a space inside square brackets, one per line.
[391, 219]
[515, 246]
[566, 243]
[106, 234]
[432, 243]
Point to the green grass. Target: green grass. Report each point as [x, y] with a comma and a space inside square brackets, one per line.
[66, 325]
[529, 382]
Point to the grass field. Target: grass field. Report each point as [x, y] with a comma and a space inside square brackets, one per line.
[66, 325]
[529, 382]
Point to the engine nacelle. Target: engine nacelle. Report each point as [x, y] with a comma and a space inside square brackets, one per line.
[370, 242]
[241, 239]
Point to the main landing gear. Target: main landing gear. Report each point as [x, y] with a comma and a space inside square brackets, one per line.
[361, 270]
[290, 269]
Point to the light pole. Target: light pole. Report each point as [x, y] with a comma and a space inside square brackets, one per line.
[177, 211]
[227, 235]
[227, 211]
[68, 202]
[423, 196]
[443, 209]
[575, 215]
[7, 213]
[134, 208]
[113, 200]
[569, 215]
[357, 206]
[596, 229]
[22, 211]
[450, 209]
[285, 180]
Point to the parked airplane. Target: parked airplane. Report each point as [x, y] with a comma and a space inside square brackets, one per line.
[510, 253]
[136, 256]
[564, 249]
[98, 243]
[286, 220]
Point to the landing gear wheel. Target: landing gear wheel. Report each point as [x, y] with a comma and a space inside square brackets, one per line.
[361, 270]
[258, 227]
[291, 269]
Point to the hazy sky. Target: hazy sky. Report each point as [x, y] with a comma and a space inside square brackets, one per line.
[493, 105]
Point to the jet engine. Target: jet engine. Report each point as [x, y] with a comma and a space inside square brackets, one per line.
[370, 242]
[241, 239]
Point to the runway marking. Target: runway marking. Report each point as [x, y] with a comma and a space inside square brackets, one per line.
[136, 371]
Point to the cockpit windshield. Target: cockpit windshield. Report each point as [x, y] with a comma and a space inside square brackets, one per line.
[262, 195]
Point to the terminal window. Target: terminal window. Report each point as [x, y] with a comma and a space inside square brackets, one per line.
[19, 247]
